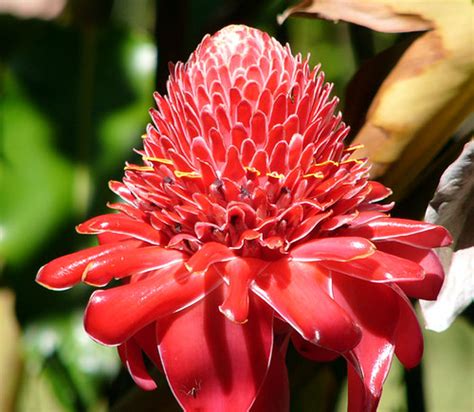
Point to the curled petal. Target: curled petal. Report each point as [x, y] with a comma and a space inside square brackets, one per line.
[379, 267]
[409, 338]
[375, 308]
[365, 217]
[300, 293]
[340, 249]
[66, 271]
[410, 232]
[210, 253]
[359, 397]
[125, 263]
[238, 273]
[427, 288]
[109, 319]
[377, 192]
[226, 363]
[131, 356]
[146, 339]
[120, 224]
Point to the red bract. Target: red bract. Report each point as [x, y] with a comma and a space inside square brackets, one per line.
[249, 223]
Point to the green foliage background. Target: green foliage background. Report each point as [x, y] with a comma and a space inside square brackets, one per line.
[75, 93]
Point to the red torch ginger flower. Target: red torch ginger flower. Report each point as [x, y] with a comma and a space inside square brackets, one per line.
[247, 223]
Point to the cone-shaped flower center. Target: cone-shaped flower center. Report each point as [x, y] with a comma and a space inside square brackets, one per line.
[246, 151]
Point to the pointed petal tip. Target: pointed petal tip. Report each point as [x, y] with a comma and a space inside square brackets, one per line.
[145, 384]
[447, 239]
[50, 279]
[230, 315]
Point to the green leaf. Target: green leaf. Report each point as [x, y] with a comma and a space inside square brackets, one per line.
[35, 180]
[59, 352]
[447, 368]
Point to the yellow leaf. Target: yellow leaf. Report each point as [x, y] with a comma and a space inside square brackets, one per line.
[374, 14]
[429, 92]
[10, 356]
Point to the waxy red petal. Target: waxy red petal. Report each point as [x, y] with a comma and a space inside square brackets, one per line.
[121, 224]
[427, 288]
[66, 271]
[124, 263]
[340, 249]
[377, 191]
[132, 357]
[113, 315]
[379, 267]
[210, 253]
[226, 363]
[238, 273]
[146, 339]
[299, 292]
[409, 338]
[410, 232]
[375, 308]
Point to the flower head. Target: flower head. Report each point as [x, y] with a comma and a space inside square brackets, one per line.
[249, 222]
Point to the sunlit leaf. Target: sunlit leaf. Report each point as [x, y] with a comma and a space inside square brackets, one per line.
[375, 14]
[36, 181]
[429, 92]
[75, 366]
[74, 104]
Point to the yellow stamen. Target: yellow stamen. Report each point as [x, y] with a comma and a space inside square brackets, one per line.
[158, 159]
[144, 136]
[252, 169]
[192, 175]
[276, 175]
[359, 162]
[317, 175]
[327, 162]
[139, 168]
[355, 147]
[363, 256]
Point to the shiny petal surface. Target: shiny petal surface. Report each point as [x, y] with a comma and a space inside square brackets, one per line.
[427, 288]
[66, 271]
[299, 292]
[109, 319]
[124, 263]
[379, 267]
[409, 338]
[120, 224]
[239, 272]
[410, 232]
[209, 254]
[375, 308]
[226, 363]
[340, 249]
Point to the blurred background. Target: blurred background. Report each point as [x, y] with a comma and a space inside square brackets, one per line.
[76, 84]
